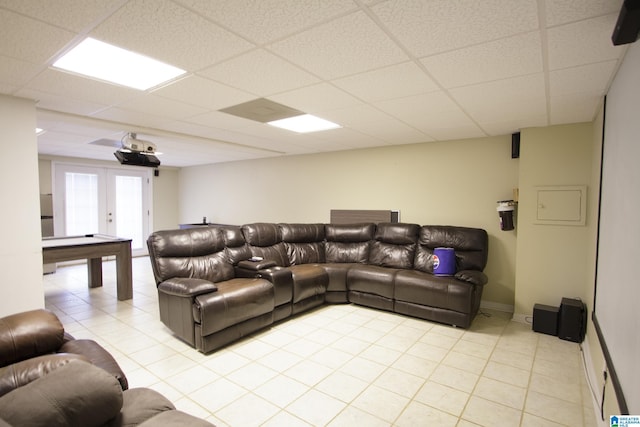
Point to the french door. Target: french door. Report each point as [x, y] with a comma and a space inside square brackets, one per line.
[113, 201]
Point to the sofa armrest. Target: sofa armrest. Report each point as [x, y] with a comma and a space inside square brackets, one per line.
[248, 264]
[282, 280]
[186, 287]
[77, 394]
[141, 404]
[22, 373]
[28, 334]
[472, 276]
[97, 355]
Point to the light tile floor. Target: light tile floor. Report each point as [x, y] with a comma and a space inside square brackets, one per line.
[339, 365]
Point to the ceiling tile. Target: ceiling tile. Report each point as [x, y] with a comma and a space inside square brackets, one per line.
[509, 57]
[216, 119]
[344, 46]
[565, 11]
[346, 138]
[582, 42]
[62, 103]
[80, 88]
[518, 100]
[130, 119]
[267, 20]
[373, 122]
[168, 32]
[163, 107]
[316, 98]
[70, 14]
[30, 40]
[573, 108]
[511, 124]
[196, 90]
[259, 72]
[431, 113]
[429, 27]
[574, 80]
[395, 81]
[17, 72]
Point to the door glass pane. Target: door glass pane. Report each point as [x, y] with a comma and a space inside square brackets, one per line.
[81, 204]
[128, 215]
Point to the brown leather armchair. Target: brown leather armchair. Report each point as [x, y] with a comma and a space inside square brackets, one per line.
[34, 343]
[81, 394]
[50, 379]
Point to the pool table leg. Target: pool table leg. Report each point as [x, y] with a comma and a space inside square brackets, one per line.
[124, 273]
[94, 268]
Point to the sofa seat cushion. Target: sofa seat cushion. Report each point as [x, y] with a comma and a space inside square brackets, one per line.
[435, 291]
[372, 279]
[337, 272]
[235, 301]
[309, 280]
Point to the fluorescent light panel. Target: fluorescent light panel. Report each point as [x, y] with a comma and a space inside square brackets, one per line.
[304, 123]
[106, 62]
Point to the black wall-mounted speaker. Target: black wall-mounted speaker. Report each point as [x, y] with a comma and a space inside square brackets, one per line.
[572, 322]
[628, 24]
[515, 145]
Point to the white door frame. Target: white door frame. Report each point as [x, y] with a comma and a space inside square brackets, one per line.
[58, 185]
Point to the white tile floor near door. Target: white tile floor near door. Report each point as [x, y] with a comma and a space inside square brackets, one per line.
[339, 365]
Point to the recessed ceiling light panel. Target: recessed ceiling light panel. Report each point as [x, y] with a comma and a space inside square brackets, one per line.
[304, 124]
[112, 64]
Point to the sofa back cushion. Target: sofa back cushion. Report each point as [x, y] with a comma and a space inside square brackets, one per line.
[348, 242]
[28, 334]
[470, 244]
[265, 240]
[194, 252]
[235, 245]
[304, 243]
[394, 245]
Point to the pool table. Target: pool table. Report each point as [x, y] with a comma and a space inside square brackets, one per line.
[93, 247]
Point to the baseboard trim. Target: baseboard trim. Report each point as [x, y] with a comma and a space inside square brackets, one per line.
[490, 305]
[592, 375]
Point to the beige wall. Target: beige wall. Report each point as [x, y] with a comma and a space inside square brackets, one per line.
[453, 182]
[553, 261]
[21, 251]
[165, 188]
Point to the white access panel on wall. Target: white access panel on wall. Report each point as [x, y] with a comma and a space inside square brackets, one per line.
[561, 205]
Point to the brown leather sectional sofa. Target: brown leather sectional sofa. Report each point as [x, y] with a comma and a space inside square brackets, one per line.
[217, 284]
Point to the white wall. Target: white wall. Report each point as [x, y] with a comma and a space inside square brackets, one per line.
[453, 182]
[21, 250]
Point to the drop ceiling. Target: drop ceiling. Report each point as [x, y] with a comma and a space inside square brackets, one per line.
[389, 72]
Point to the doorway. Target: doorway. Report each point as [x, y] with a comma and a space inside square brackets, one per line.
[113, 201]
